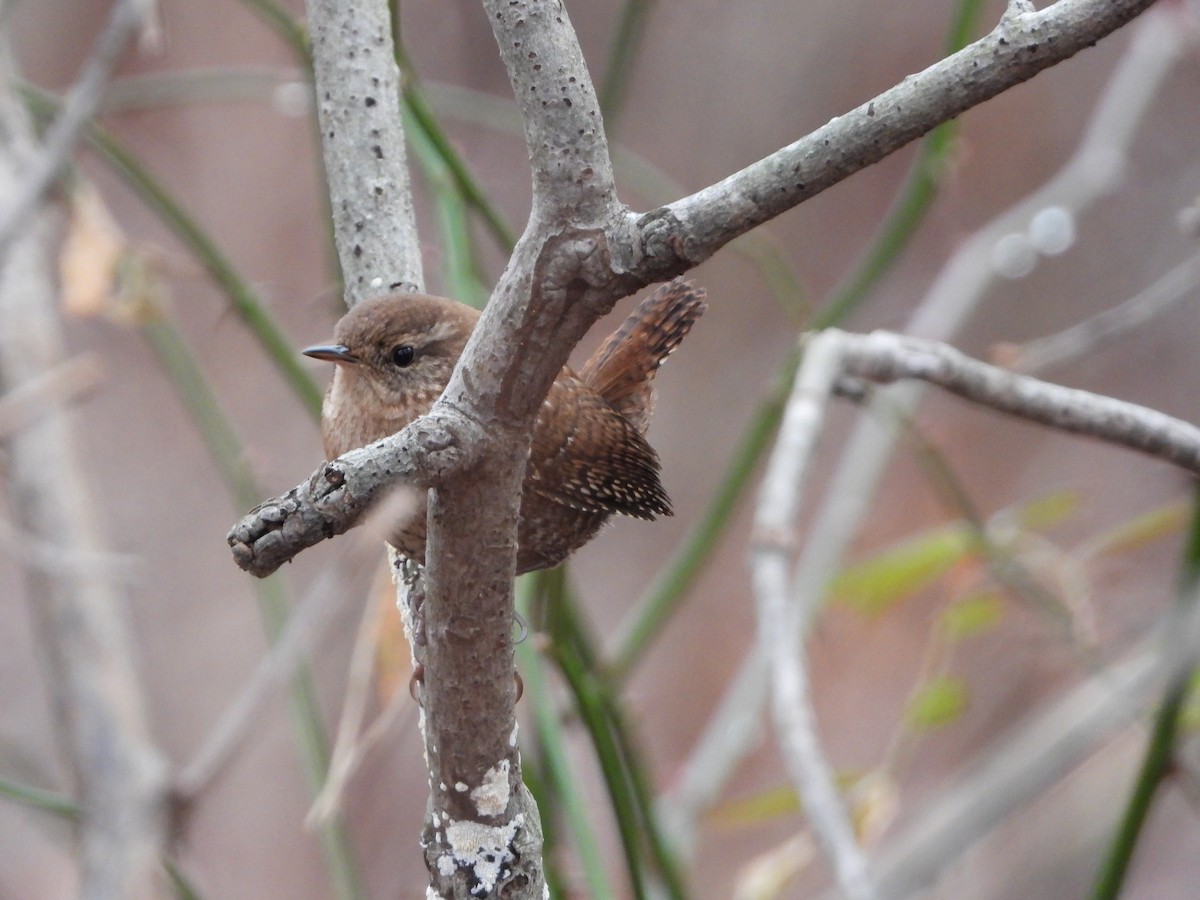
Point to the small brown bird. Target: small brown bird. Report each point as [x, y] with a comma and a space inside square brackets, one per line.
[588, 459]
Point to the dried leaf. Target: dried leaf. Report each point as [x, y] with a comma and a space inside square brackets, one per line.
[768, 874]
[91, 255]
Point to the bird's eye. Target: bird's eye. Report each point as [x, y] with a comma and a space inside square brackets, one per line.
[403, 355]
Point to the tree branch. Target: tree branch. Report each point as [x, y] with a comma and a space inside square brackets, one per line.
[779, 632]
[582, 250]
[683, 234]
[885, 357]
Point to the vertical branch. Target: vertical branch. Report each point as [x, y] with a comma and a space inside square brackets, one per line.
[81, 103]
[362, 136]
[779, 614]
[120, 777]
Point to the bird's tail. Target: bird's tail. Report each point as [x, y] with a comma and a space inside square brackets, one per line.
[622, 368]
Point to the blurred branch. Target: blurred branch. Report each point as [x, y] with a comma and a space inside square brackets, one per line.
[120, 776]
[1045, 749]
[81, 102]
[225, 446]
[1107, 326]
[683, 234]
[779, 619]
[1159, 761]
[312, 617]
[48, 390]
[241, 295]
[1096, 166]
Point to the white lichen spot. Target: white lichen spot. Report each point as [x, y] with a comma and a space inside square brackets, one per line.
[491, 797]
[461, 786]
[376, 282]
[512, 738]
[483, 850]
[431, 894]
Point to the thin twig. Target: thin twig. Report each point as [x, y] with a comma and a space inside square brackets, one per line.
[1107, 326]
[49, 390]
[314, 615]
[884, 357]
[80, 105]
[1091, 173]
[1044, 750]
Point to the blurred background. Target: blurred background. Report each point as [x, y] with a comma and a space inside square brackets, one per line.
[213, 103]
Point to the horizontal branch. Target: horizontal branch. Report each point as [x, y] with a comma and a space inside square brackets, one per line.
[885, 357]
[675, 237]
[335, 497]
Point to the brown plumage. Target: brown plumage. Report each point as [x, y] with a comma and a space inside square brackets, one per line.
[588, 458]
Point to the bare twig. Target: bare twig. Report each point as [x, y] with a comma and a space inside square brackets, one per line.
[778, 618]
[325, 601]
[1045, 749]
[81, 103]
[120, 777]
[48, 390]
[885, 357]
[1107, 326]
[1091, 173]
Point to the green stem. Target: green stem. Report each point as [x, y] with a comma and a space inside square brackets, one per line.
[227, 450]
[39, 798]
[576, 650]
[422, 113]
[622, 57]
[462, 279]
[893, 237]
[1160, 752]
[557, 763]
[284, 24]
[586, 694]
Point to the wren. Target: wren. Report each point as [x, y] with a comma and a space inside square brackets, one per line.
[589, 457]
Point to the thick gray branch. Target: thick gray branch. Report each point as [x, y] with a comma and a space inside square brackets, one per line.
[358, 108]
[685, 233]
[572, 173]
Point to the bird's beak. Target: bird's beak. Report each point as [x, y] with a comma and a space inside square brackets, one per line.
[334, 353]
